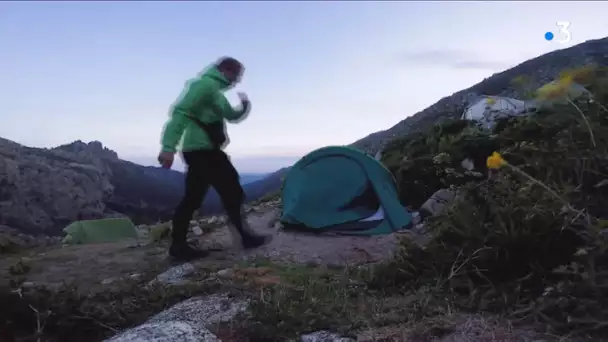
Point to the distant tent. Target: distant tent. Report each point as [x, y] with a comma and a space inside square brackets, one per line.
[342, 190]
[487, 109]
[98, 231]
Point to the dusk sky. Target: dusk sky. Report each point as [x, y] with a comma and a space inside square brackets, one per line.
[317, 73]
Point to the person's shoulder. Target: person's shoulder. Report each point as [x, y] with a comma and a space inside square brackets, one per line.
[204, 82]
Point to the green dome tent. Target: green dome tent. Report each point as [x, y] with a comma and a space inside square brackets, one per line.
[339, 189]
[99, 231]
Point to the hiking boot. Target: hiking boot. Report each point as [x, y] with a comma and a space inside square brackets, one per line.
[255, 241]
[248, 238]
[183, 252]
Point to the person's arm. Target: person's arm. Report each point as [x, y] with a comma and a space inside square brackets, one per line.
[199, 90]
[230, 113]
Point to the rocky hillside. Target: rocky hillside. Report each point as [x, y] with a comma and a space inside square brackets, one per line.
[538, 71]
[42, 190]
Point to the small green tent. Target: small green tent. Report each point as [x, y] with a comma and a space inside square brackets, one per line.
[339, 189]
[98, 231]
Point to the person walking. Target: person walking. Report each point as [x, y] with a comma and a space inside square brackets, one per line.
[199, 117]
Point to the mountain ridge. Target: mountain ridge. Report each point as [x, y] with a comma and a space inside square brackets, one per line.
[44, 189]
[542, 69]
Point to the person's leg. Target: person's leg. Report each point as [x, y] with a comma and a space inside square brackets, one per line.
[196, 187]
[225, 180]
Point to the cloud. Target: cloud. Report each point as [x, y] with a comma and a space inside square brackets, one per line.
[456, 59]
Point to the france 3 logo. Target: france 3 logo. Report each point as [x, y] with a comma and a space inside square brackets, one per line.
[563, 33]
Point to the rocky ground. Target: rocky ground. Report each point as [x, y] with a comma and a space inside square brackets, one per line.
[95, 264]
[324, 271]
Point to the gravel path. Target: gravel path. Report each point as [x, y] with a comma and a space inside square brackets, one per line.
[307, 248]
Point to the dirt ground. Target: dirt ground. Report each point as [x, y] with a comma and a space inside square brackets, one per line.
[90, 265]
[94, 266]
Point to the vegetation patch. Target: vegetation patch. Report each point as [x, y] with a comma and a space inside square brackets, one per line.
[69, 313]
[528, 239]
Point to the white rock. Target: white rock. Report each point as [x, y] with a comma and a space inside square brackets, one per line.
[324, 336]
[186, 321]
[174, 275]
[437, 202]
[416, 218]
[225, 273]
[197, 230]
[208, 310]
[107, 281]
[28, 284]
[475, 174]
[135, 276]
[168, 331]
[467, 164]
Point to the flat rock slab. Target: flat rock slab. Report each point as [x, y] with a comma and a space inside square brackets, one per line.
[175, 275]
[168, 331]
[186, 321]
[324, 336]
[209, 310]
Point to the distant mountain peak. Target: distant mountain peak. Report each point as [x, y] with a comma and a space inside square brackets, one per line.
[93, 147]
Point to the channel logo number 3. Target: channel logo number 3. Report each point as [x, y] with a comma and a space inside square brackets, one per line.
[564, 32]
[563, 29]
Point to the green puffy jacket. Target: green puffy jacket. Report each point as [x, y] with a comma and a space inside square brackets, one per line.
[204, 100]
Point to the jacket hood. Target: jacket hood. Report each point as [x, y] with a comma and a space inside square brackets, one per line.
[212, 72]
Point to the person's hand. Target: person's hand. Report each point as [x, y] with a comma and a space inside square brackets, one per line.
[243, 97]
[244, 101]
[166, 159]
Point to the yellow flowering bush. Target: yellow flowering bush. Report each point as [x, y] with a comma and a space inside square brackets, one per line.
[584, 75]
[496, 161]
[556, 90]
[565, 89]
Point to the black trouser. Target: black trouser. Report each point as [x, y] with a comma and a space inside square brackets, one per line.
[208, 168]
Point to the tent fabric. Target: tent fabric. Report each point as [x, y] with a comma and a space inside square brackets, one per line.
[336, 189]
[98, 231]
[487, 109]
